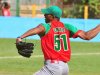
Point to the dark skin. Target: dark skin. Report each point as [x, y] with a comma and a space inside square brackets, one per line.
[40, 30]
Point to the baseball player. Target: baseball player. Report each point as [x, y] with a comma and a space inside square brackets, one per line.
[55, 41]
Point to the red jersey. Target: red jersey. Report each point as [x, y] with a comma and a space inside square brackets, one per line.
[55, 44]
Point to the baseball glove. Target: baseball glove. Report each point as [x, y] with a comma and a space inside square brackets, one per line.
[25, 49]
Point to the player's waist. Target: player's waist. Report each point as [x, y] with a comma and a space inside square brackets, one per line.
[54, 61]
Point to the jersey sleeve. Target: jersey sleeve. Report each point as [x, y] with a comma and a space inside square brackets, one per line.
[46, 26]
[73, 30]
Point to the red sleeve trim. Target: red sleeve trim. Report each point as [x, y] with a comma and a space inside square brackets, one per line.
[76, 34]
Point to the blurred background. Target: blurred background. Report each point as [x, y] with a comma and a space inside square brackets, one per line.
[18, 16]
[71, 8]
[21, 15]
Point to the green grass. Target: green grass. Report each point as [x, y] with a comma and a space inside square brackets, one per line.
[79, 64]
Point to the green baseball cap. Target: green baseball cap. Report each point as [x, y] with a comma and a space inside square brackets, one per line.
[54, 10]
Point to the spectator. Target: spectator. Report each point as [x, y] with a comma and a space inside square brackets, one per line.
[6, 9]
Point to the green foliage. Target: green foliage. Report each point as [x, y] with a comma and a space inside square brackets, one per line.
[95, 8]
[76, 9]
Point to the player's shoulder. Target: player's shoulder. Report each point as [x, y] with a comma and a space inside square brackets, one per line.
[45, 25]
[39, 27]
[67, 24]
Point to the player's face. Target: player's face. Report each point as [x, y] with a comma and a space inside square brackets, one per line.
[48, 17]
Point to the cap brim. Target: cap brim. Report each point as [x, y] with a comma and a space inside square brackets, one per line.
[44, 11]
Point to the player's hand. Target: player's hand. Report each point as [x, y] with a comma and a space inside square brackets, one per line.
[18, 40]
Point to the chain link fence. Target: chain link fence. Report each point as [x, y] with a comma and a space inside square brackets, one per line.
[71, 9]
